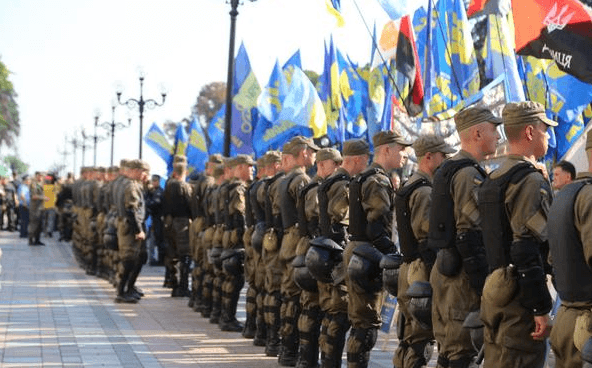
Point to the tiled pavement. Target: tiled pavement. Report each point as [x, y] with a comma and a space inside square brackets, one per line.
[53, 315]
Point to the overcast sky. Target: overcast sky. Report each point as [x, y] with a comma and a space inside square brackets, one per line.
[67, 57]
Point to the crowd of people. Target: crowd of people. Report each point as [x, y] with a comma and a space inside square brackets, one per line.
[469, 263]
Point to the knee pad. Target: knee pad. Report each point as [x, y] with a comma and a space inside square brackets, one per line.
[361, 340]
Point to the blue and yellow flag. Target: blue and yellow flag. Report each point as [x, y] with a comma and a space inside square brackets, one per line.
[378, 85]
[454, 74]
[288, 68]
[270, 105]
[156, 140]
[216, 132]
[354, 95]
[334, 8]
[500, 58]
[330, 95]
[181, 139]
[246, 91]
[564, 96]
[197, 149]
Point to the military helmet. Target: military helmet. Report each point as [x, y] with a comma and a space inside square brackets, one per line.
[232, 261]
[363, 268]
[321, 258]
[302, 276]
[420, 305]
[390, 264]
[475, 325]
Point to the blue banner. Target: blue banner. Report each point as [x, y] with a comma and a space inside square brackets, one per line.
[156, 140]
[197, 150]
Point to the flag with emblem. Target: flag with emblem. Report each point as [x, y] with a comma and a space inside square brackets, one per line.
[354, 95]
[216, 132]
[407, 63]
[560, 30]
[197, 150]
[334, 8]
[156, 140]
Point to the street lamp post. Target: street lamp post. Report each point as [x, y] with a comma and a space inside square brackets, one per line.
[84, 145]
[113, 125]
[141, 103]
[230, 76]
[96, 138]
[74, 142]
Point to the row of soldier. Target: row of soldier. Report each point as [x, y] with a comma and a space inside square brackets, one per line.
[316, 252]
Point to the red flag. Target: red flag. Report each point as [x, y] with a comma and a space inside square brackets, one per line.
[555, 29]
[407, 62]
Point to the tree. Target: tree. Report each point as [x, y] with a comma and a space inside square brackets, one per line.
[210, 99]
[9, 115]
[313, 76]
[16, 165]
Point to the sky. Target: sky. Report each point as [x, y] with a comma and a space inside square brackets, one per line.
[68, 56]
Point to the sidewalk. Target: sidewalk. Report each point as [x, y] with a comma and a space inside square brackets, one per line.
[53, 315]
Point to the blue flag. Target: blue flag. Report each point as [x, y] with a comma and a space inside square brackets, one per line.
[330, 95]
[500, 58]
[378, 85]
[156, 140]
[302, 113]
[399, 8]
[246, 90]
[270, 105]
[216, 132]
[197, 150]
[354, 94]
[288, 68]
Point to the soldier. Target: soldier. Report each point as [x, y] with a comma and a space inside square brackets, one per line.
[207, 241]
[325, 263]
[412, 206]
[252, 256]
[36, 209]
[303, 152]
[328, 160]
[455, 232]
[103, 218]
[233, 254]
[270, 195]
[98, 177]
[514, 203]
[131, 230]
[270, 165]
[177, 211]
[370, 218]
[10, 202]
[154, 204]
[570, 245]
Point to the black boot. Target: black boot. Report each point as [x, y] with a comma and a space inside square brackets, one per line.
[333, 345]
[273, 343]
[123, 295]
[250, 326]
[229, 321]
[183, 288]
[168, 282]
[308, 351]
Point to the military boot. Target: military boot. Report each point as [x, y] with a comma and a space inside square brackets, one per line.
[250, 326]
[261, 333]
[272, 345]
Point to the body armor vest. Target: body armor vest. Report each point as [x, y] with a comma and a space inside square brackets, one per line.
[197, 198]
[442, 232]
[272, 221]
[257, 208]
[357, 217]
[495, 225]
[219, 203]
[325, 224]
[408, 242]
[573, 276]
[249, 217]
[287, 202]
[207, 205]
[307, 227]
[226, 206]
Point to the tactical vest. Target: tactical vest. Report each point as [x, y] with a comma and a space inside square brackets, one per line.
[307, 227]
[197, 198]
[227, 216]
[287, 202]
[442, 232]
[207, 205]
[325, 224]
[357, 216]
[218, 203]
[256, 207]
[495, 225]
[573, 276]
[249, 217]
[407, 240]
[272, 221]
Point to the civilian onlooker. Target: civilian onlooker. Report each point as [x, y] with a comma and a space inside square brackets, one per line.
[24, 202]
[563, 174]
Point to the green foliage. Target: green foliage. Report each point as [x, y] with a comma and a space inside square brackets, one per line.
[9, 115]
[210, 99]
[16, 165]
[313, 76]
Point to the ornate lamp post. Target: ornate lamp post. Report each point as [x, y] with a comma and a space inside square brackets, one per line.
[228, 116]
[113, 125]
[83, 144]
[141, 103]
[75, 143]
[96, 138]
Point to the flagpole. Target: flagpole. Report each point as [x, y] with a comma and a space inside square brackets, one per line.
[230, 76]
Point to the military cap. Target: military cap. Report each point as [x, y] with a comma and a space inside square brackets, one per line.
[329, 154]
[101, 169]
[518, 113]
[124, 162]
[40, 173]
[139, 164]
[216, 158]
[472, 116]
[179, 158]
[113, 169]
[431, 143]
[388, 137]
[294, 146]
[589, 140]
[260, 162]
[356, 147]
[241, 159]
[272, 157]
